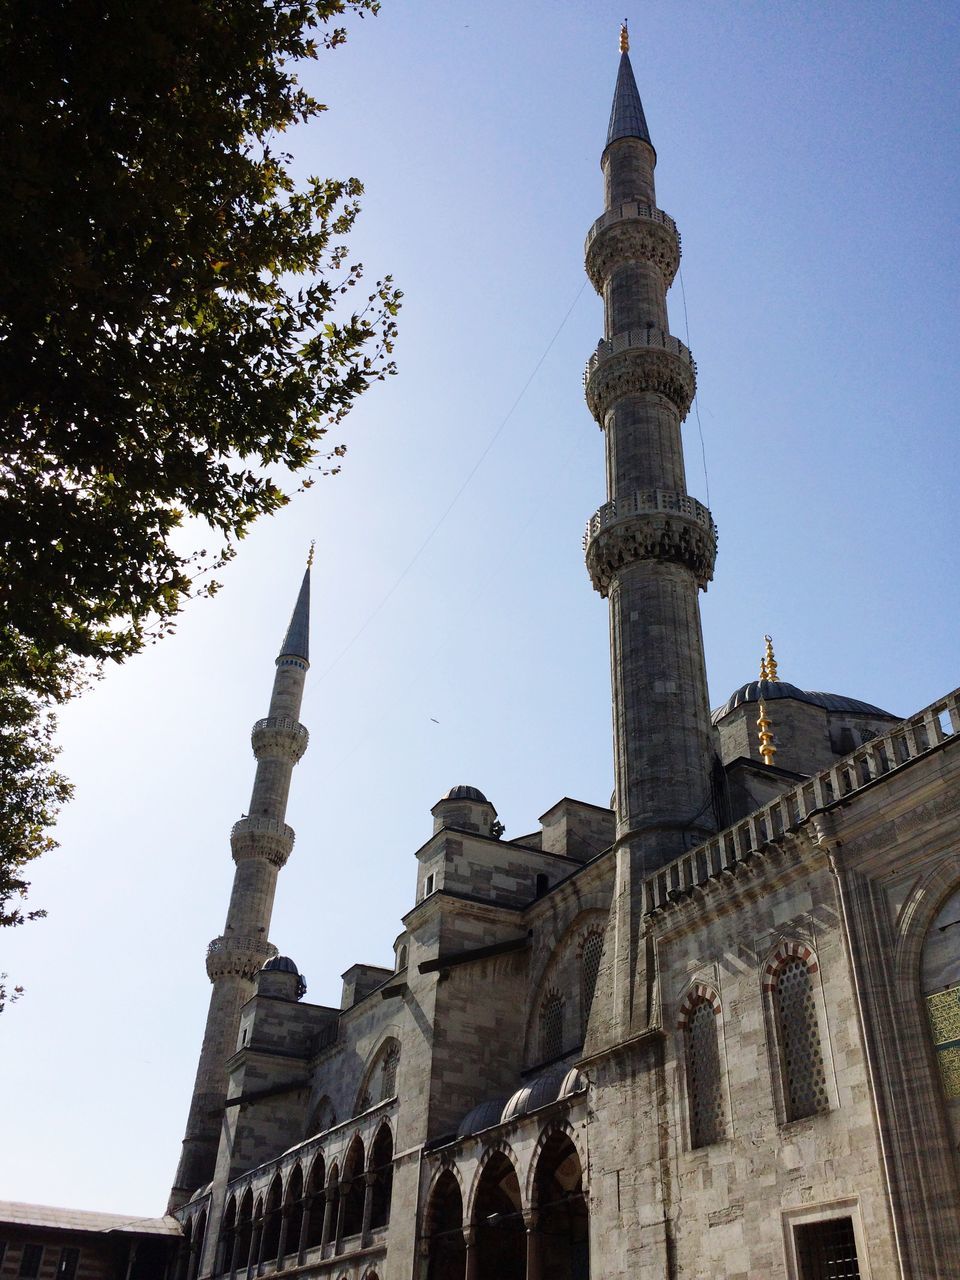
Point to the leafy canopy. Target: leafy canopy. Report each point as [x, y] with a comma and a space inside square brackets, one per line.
[172, 342]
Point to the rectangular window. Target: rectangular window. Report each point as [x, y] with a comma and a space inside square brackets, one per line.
[827, 1250]
[428, 886]
[67, 1267]
[30, 1261]
[3, 1252]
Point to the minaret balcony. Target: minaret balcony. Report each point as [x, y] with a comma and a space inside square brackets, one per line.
[262, 838]
[652, 525]
[279, 736]
[240, 955]
[631, 232]
[638, 361]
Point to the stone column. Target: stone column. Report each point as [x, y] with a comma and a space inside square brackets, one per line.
[341, 1214]
[331, 1196]
[304, 1227]
[530, 1221]
[282, 1241]
[472, 1269]
[369, 1179]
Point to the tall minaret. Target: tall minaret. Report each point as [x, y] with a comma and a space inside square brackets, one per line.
[651, 548]
[261, 843]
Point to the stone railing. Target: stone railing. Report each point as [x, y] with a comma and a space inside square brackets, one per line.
[622, 212]
[634, 504]
[655, 338]
[245, 826]
[721, 854]
[285, 723]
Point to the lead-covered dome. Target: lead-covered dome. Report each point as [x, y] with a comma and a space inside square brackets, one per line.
[463, 792]
[768, 690]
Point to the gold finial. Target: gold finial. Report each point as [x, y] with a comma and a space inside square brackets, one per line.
[624, 38]
[767, 749]
[313, 543]
[768, 668]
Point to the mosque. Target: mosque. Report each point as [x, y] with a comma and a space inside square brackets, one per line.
[710, 1031]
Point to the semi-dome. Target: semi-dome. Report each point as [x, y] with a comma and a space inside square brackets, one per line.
[481, 1117]
[280, 964]
[463, 792]
[542, 1090]
[768, 690]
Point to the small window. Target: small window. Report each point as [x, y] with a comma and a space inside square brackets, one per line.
[827, 1250]
[590, 954]
[551, 1027]
[67, 1266]
[543, 884]
[402, 958]
[703, 1075]
[390, 1064]
[30, 1260]
[428, 885]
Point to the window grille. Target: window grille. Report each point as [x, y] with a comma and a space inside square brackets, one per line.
[703, 1075]
[804, 1077]
[827, 1250]
[589, 969]
[390, 1064]
[551, 1028]
[30, 1260]
[67, 1267]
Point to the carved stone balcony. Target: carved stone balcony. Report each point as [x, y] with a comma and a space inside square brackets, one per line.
[262, 838]
[241, 955]
[631, 232]
[652, 525]
[637, 361]
[279, 735]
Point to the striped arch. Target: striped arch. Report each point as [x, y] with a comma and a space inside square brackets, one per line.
[558, 1125]
[447, 1165]
[288, 1181]
[588, 920]
[493, 1149]
[308, 1169]
[787, 951]
[694, 995]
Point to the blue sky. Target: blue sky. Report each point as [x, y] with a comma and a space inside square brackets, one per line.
[809, 156]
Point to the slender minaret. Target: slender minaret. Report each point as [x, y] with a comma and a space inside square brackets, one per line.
[261, 843]
[651, 548]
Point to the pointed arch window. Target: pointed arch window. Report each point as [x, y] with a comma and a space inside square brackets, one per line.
[804, 1077]
[702, 1056]
[590, 954]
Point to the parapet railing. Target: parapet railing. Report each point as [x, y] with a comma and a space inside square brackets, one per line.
[630, 209]
[882, 755]
[281, 722]
[246, 943]
[638, 338]
[633, 504]
[263, 824]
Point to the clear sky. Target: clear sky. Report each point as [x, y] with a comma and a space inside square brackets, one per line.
[809, 155]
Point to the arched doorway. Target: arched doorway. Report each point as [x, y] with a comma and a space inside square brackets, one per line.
[295, 1204]
[501, 1241]
[271, 1221]
[562, 1224]
[447, 1252]
[353, 1189]
[317, 1203]
[227, 1241]
[241, 1252]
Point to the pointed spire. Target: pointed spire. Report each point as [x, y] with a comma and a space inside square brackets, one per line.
[296, 643]
[626, 116]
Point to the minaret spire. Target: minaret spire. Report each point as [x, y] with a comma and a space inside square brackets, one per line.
[261, 843]
[651, 548]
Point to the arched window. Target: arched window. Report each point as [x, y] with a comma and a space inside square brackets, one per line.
[227, 1240]
[381, 1168]
[256, 1235]
[701, 1045]
[444, 1223]
[551, 1027]
[940, 991]
[380, 1082]
[353, 1188]
[798, 1034]
[271, 1221]
[196, 1248]
[322, 1117]
[316, 1203]
[295, 1206]
[241, 1254]
[562, 1224]
[590, 953]
[402, 958]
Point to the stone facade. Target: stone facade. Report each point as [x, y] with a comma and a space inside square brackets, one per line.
[712, 1031]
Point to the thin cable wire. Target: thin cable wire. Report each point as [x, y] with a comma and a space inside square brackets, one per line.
[459, 493]
[696, 398]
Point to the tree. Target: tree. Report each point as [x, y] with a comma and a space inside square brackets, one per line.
[172, 346]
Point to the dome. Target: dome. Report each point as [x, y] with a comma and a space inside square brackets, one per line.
[482, 1117]
[769, 690]
[542, 1090]
[280, 964]
[465, 793]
